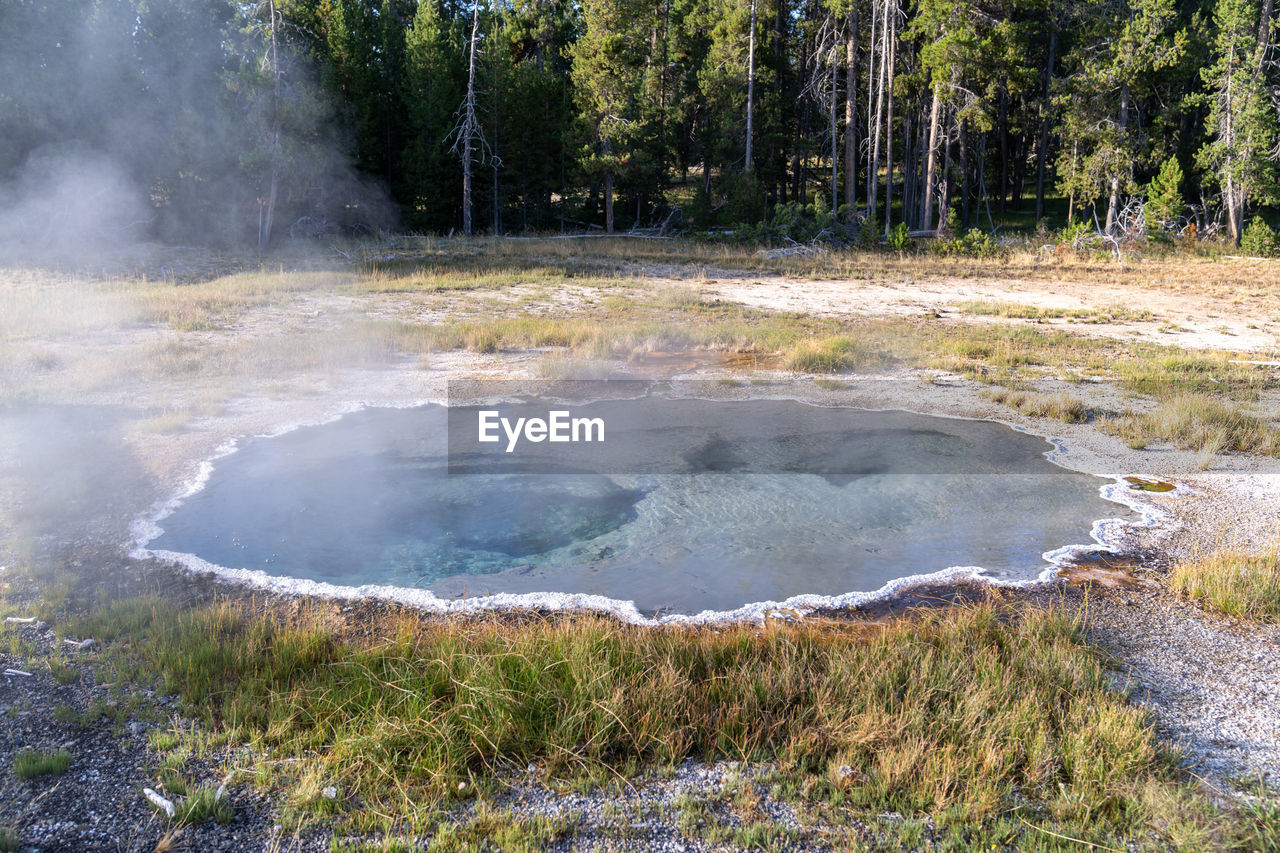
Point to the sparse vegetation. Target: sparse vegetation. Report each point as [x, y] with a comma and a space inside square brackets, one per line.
[838, 354]
[201, 804]
[983, 726]
[502, 829]
[30, 763]
[924, 710]
[1237, 583]
[1018, 310]
[1063, 407]
[1201, 423]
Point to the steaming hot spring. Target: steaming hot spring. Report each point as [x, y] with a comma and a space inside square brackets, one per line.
[687, 506]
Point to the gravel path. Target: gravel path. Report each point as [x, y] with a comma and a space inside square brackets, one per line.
[1213, 684]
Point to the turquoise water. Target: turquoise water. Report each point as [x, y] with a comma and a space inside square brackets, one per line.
[719, 505]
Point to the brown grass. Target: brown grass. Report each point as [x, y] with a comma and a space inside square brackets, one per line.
[1238, 583]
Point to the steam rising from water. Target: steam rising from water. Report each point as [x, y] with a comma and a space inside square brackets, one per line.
[125, 121]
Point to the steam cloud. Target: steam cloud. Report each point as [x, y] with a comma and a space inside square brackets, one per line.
[156, 121]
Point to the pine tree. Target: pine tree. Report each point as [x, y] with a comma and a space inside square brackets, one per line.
[609, 73]
[1164, 197]
[433, 86]
[1241, 120]
[1114, 68]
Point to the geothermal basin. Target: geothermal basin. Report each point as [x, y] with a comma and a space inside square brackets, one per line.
[684, 506]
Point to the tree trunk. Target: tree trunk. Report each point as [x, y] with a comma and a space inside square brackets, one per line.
[468, 121]
[1264, 34]
[608, 201]
[1004, 145]
[872, 121]
[881, 77]
[266, 218]
[917, 170]
[835, 129]
[982, 180]
[1234, 209]
[1113, 204]
[965, 212]
[1043, 153]
[931, 161]
[1071, 198]
[751, 85]
[908, 166]
[850, 111]
[944, 194]
[1019, 170]
[891, 53]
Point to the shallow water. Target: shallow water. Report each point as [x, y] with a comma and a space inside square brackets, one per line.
[692, 505]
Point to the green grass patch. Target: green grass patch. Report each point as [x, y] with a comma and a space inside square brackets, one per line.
[1234, 582]
[1162, 373]
[502, 829]
[1259, 826]
[201, 804]
[966, 711]
[63, 673]
[30, 763]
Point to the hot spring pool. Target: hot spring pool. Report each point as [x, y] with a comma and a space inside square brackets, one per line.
[708, 506]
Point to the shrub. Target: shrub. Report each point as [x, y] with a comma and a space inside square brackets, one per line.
[1164, 197]
[899, 237]
[1064, 407]
[1259, 239]
[1202, 423]
[868, 231]
[975, 243]
[743, 199]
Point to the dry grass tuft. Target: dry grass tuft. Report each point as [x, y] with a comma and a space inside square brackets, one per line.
[967, 711]
[1064, 407]
[1234, 582]
[1201, 423]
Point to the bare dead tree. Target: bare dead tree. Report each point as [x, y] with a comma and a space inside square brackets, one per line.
[873, 119]
[851, 110]
[823, 86]
[890, 51]
[751, 86]
[469, 132]
[835, 128]
[267, 206]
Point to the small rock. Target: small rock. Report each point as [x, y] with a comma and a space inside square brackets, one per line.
[330, 793]
[160, 802]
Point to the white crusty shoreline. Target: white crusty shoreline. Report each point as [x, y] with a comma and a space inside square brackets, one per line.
[1108, 535]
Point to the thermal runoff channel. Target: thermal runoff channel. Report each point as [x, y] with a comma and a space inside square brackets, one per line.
[677, 503]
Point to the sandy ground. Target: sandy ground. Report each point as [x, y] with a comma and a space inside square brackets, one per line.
[1185, 320]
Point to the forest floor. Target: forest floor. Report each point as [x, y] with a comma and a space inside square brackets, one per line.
[117, 379]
